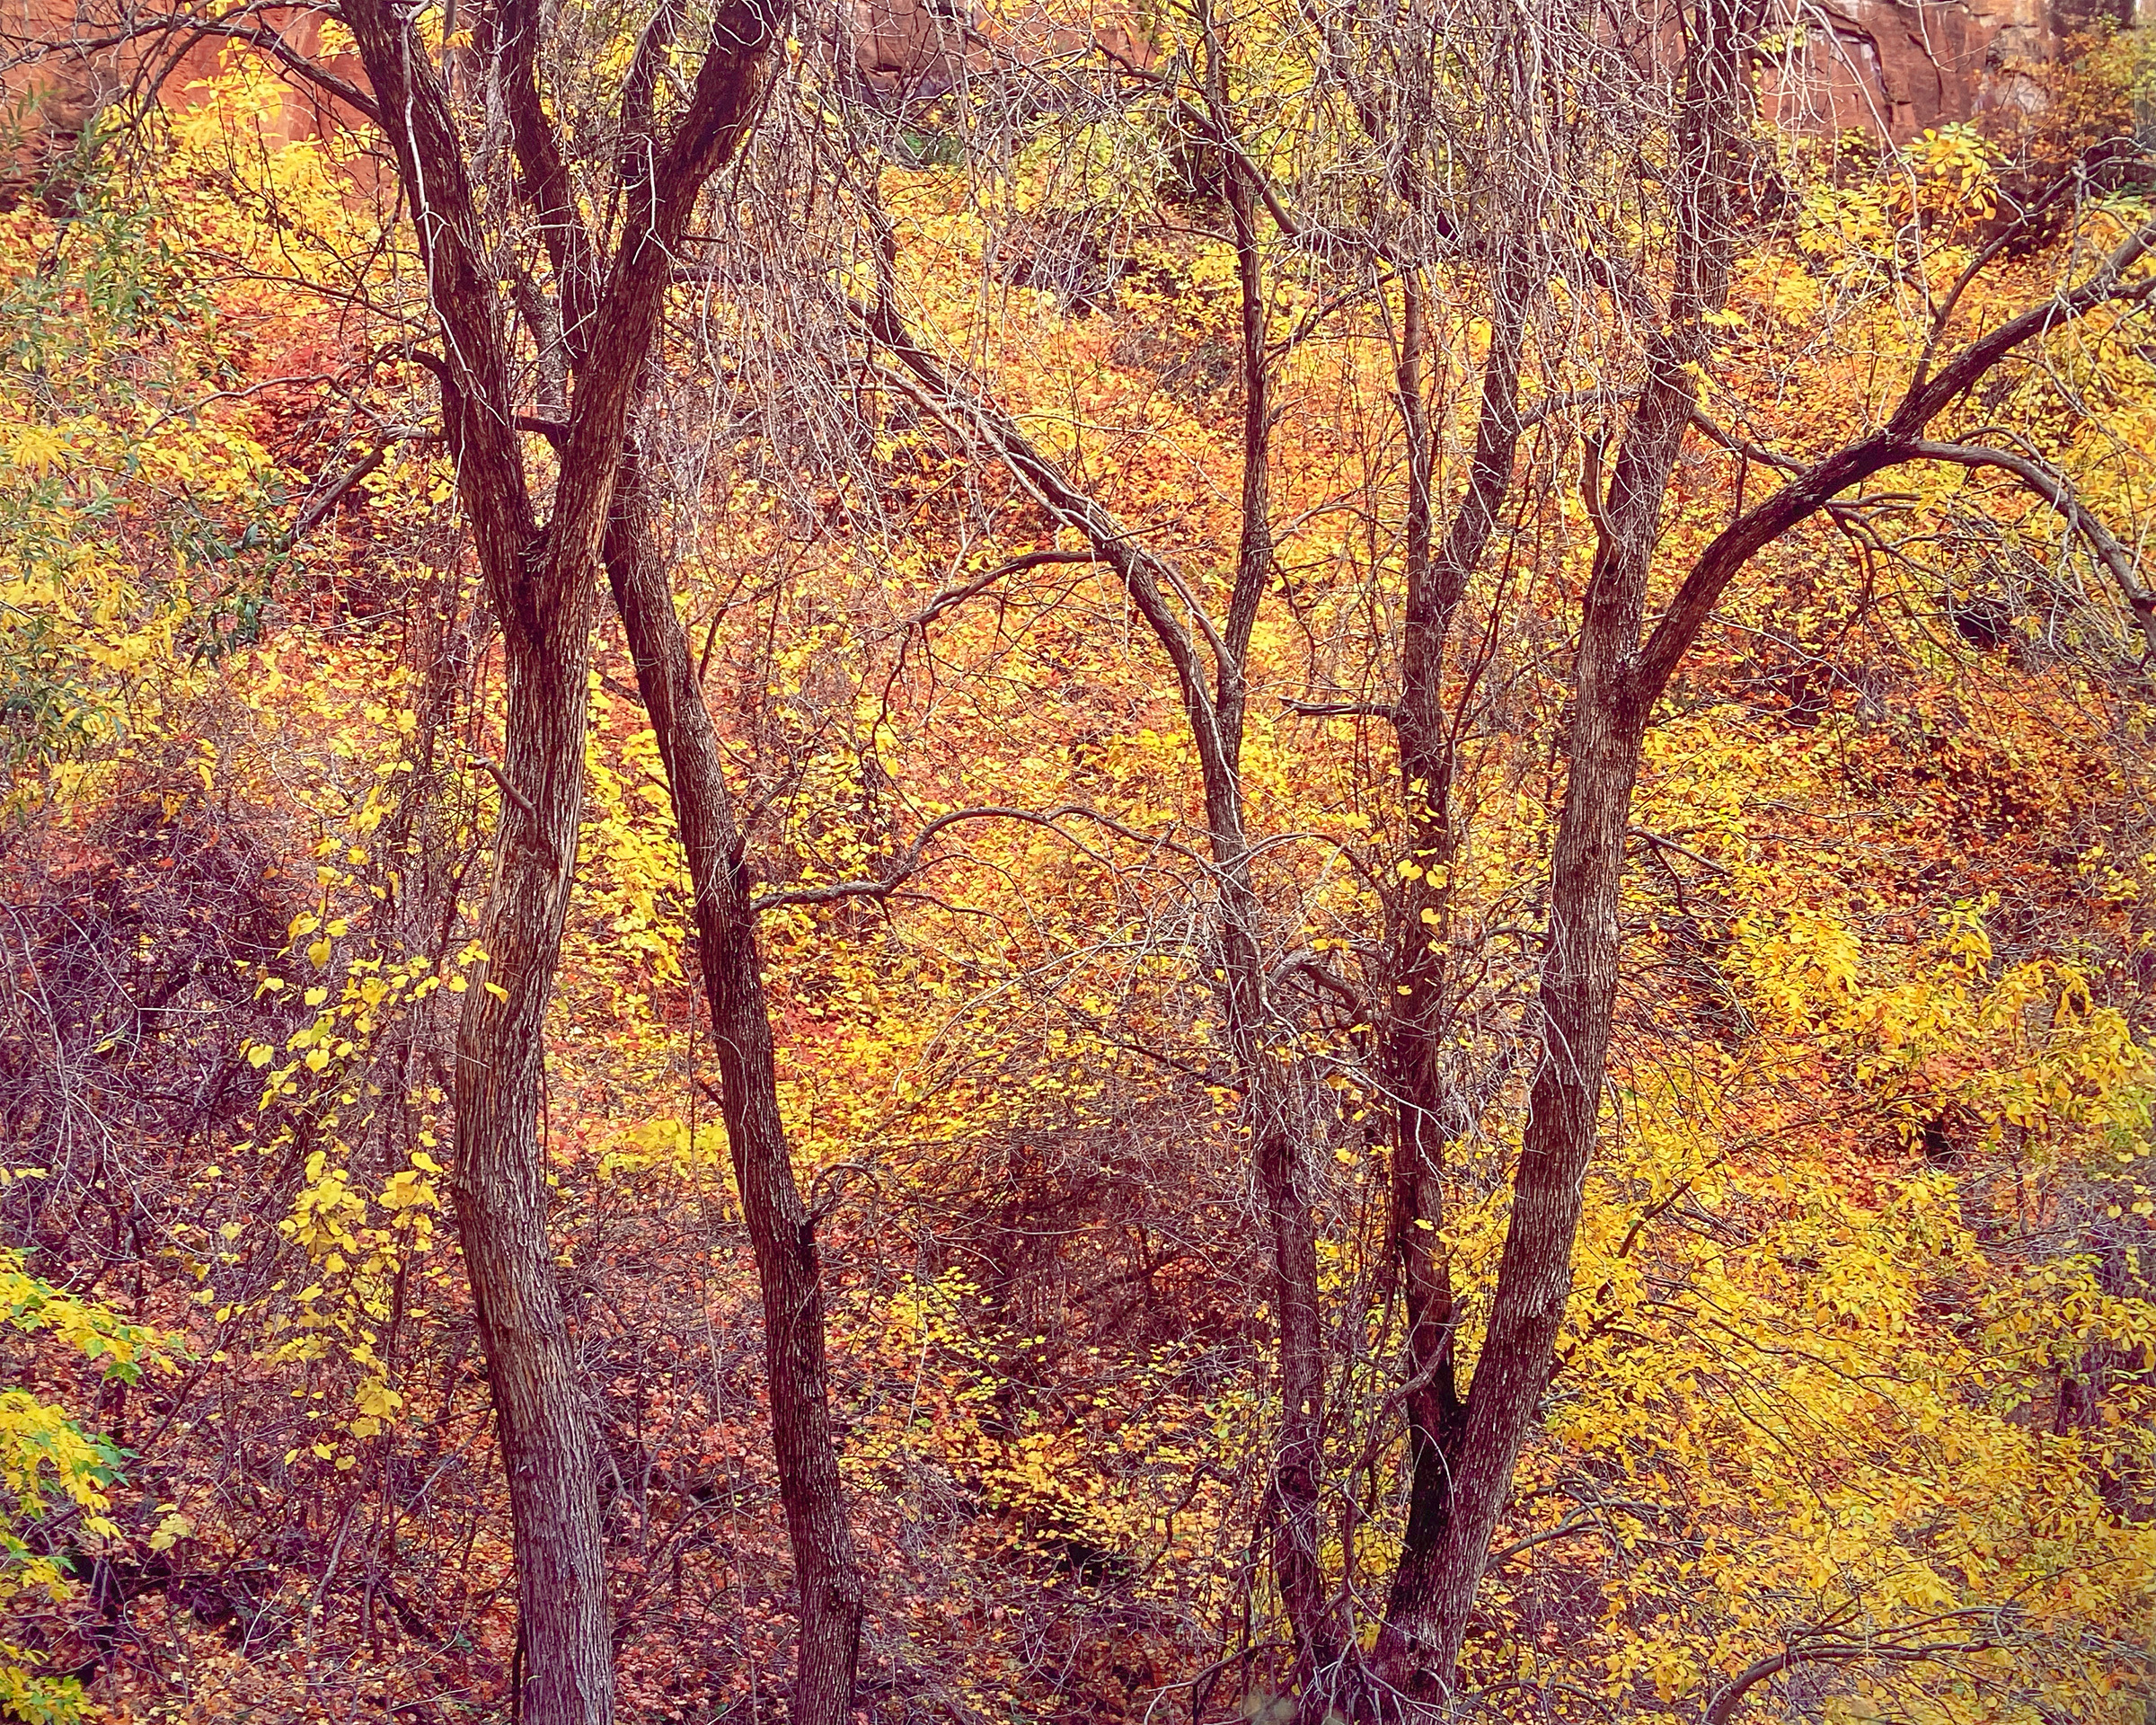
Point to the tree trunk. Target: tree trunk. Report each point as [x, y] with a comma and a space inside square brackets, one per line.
[540, 583]
[1290, 1224]
[534, 1375]
[1621, 671]
[826, 1569]
[1578, 991]
[1426, 1107]
[1411, 1051]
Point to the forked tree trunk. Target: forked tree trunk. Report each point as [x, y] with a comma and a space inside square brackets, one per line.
[1579, 977]
[1427, 1109]
[1621, 670]
[1577, 998]
[1418, 1016]
[826, 1571]
[540, 580]
[540, 583]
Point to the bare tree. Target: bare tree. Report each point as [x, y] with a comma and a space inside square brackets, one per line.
[537, 521]
[1415, 205]
[1690, 79]
[1625, 661]
[549, 240]
[539, 573]
[826, 1573]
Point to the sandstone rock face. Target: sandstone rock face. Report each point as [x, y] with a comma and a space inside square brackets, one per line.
[1898, 67]
[60, 63]
[905, 52]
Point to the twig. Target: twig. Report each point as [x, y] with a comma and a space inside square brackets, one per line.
[507, 789]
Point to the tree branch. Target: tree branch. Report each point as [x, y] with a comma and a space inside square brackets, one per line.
[1724, 1705]
[1340, 709]
[414, 114]
[1671, 845]
[2048, 483]
[318, 507]
[915, 858]
[951, 597]
[1900, 440]
[270, 41]
[1143, 575]
[544, 174]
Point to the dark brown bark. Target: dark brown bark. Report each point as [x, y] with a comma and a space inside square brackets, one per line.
[1621, 672]
[499, 1180]
[1410, 1050]
[1254, 534]
[1275, 1148]
[1415, 1007]
[826, 1571]
[501, 1188]
[1427, 1109]
[1579, 979]
[540, 580]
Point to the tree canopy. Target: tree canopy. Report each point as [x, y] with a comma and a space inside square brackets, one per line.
[1283, 864]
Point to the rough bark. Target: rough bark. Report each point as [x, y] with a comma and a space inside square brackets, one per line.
[499, 1178]
[1426, 1110]
[1254, 532]
[533, 1375]
[1579, 981]
[1410, 1050]
[1621, 670]
[826, 1571]
[540, 580]
[1389, 73]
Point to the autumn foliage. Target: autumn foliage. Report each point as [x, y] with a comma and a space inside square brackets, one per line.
[1852, 1412]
